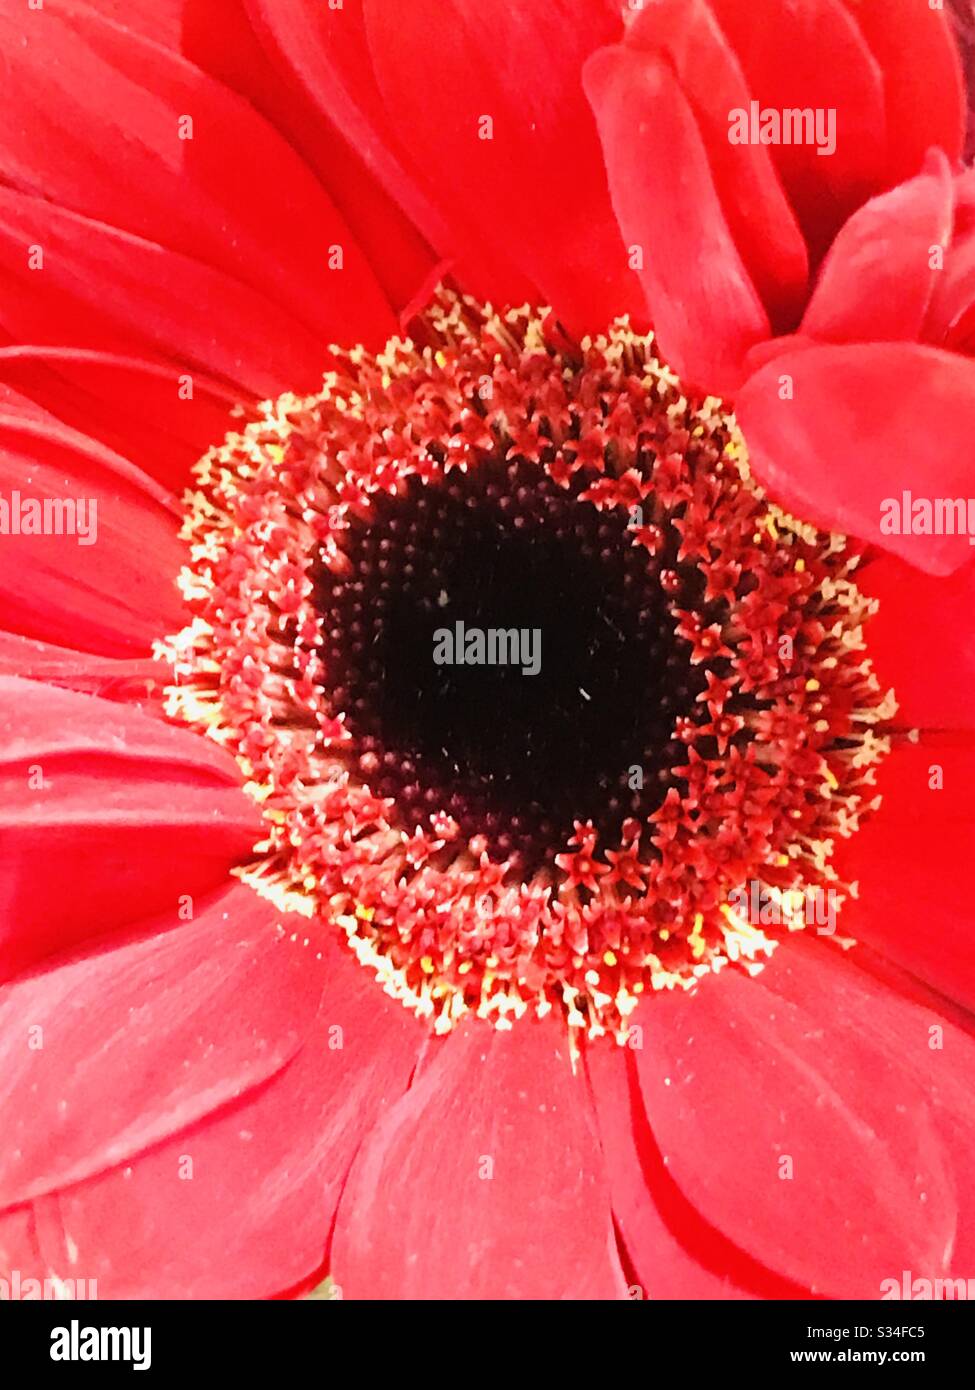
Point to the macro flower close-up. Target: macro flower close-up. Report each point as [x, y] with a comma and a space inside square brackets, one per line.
[487, 655]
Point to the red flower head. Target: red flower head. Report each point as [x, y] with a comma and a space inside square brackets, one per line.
[434, 763]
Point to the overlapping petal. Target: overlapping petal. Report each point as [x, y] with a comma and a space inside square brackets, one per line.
[484, 1181]
[105, 1057]
[108, 816]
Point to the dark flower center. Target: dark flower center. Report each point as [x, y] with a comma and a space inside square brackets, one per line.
[574, 720]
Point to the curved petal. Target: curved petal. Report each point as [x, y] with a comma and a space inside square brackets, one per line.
[491, 96]
[673, 1252]
[829, 68]
[924, 90]
[308, 70]
[912, 864]
[98, 571]
[109, 1055]
[241, 1205]
[145, 408]
[140, 680]
[759, 217]
[833, 1164]
[484, 1181]
[840, 434]
[704, 306]
[108, 816]
[951, 316]
[216, 184]
[69, 281]
[327, 49]
[877, 280]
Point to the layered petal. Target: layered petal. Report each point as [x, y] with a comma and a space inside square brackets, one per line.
[839, 434]
[879, 276]
[924, 89]
[89, 543]
[106, 1056]
[762, 224]
[70, 281]
[830, 68]
[441, 1202]
[682, 237]
[836, 1164]
[491, 95]
[674, 1253]
[108, 816]
[241, 1204]
[148, 409]
[141, 680]
[217, 184]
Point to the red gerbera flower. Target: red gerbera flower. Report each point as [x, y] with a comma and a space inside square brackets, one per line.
[347, 929]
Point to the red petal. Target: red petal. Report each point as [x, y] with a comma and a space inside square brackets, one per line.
[484, 1181]
[221, 40]
[665, 1267]
[250, 1214]
[110, 587]
[145, 409]
[790, 1116]
[128, 814]
[949, 321]
[140, 680]
[877, 280]
[104, 289]
[936, 1043]
[828, 67]
[866, 422]
[912, 861]
[924, 90]
[139, 1043]
[534, 194]
[920, 642]
[648, 130]
[234, 196]
[319, 82]
[761, 222]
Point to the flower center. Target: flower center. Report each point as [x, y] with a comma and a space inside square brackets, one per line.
[543, 702]
[504, 653]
